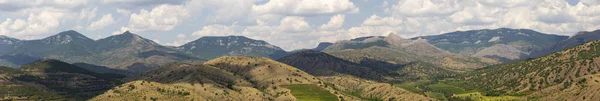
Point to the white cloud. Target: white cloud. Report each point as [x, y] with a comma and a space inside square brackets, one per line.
[293, 33]
[161, 18]
[375, 20]
[103, 22]
[34, 26]
[181, 36]
[142, 3]
[293, 24]
[305, 7]
[70, 3]
[336, 22]
[121, 31]
[590, 2]
[223, 11]
[123, 11]
[215, 30]
[425, 7]
[181, 39]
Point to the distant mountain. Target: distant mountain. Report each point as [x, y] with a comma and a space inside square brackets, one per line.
[54, 80]
[322, 64]
[576, 39]
[67, 43]
[562, 75]
[394, 49]
[125, 40]
[7, 44]
[502, 44]
[322, 46]
[125, 51]
[210, 47]
[132, 52]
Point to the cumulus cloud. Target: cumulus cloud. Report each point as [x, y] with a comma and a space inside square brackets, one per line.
[105, 21]
[375, 20]
[336, 22]
[180, 40]
[123, 11]
[215, 30]
[161, 18]
[294, 32]
[87, 14]
[32, 27]
[16, 5]
[293, 24]
[223, 11]
[425, 7]
[142, 3]
[305, 7]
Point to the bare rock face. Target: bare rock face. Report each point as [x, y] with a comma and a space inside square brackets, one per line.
[502, 52]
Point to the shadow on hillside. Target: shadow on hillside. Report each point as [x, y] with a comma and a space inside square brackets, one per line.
[67, 80]
[18, 59]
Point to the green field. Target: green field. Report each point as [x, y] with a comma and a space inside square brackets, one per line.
[477, 96]
[436, 95]
[446, 89]
[310, 92]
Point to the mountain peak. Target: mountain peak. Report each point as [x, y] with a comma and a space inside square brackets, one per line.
[127, 32]
[7, 40]
[322, 46]
[128, 37]
[66, 37]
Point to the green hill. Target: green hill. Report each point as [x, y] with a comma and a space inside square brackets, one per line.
[555, 72]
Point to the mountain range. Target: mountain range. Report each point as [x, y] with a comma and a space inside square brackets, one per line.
[127, 51]
[487, 64]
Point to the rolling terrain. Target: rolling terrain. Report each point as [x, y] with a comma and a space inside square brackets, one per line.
[323, 64]
[53, 80]
[245, 78]
[567, 73]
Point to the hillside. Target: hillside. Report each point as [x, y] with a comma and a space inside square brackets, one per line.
[396, 50]
[232, 78]
[53, 80]
[210, 47]
[575, 40]
[240, 78]
[521, 42]
[322, 46]
[322, 64]
[7, 44]
[560, 73]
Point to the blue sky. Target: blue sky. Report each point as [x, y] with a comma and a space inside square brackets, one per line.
[290, 24]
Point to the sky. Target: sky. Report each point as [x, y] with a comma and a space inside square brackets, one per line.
[290, 24]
